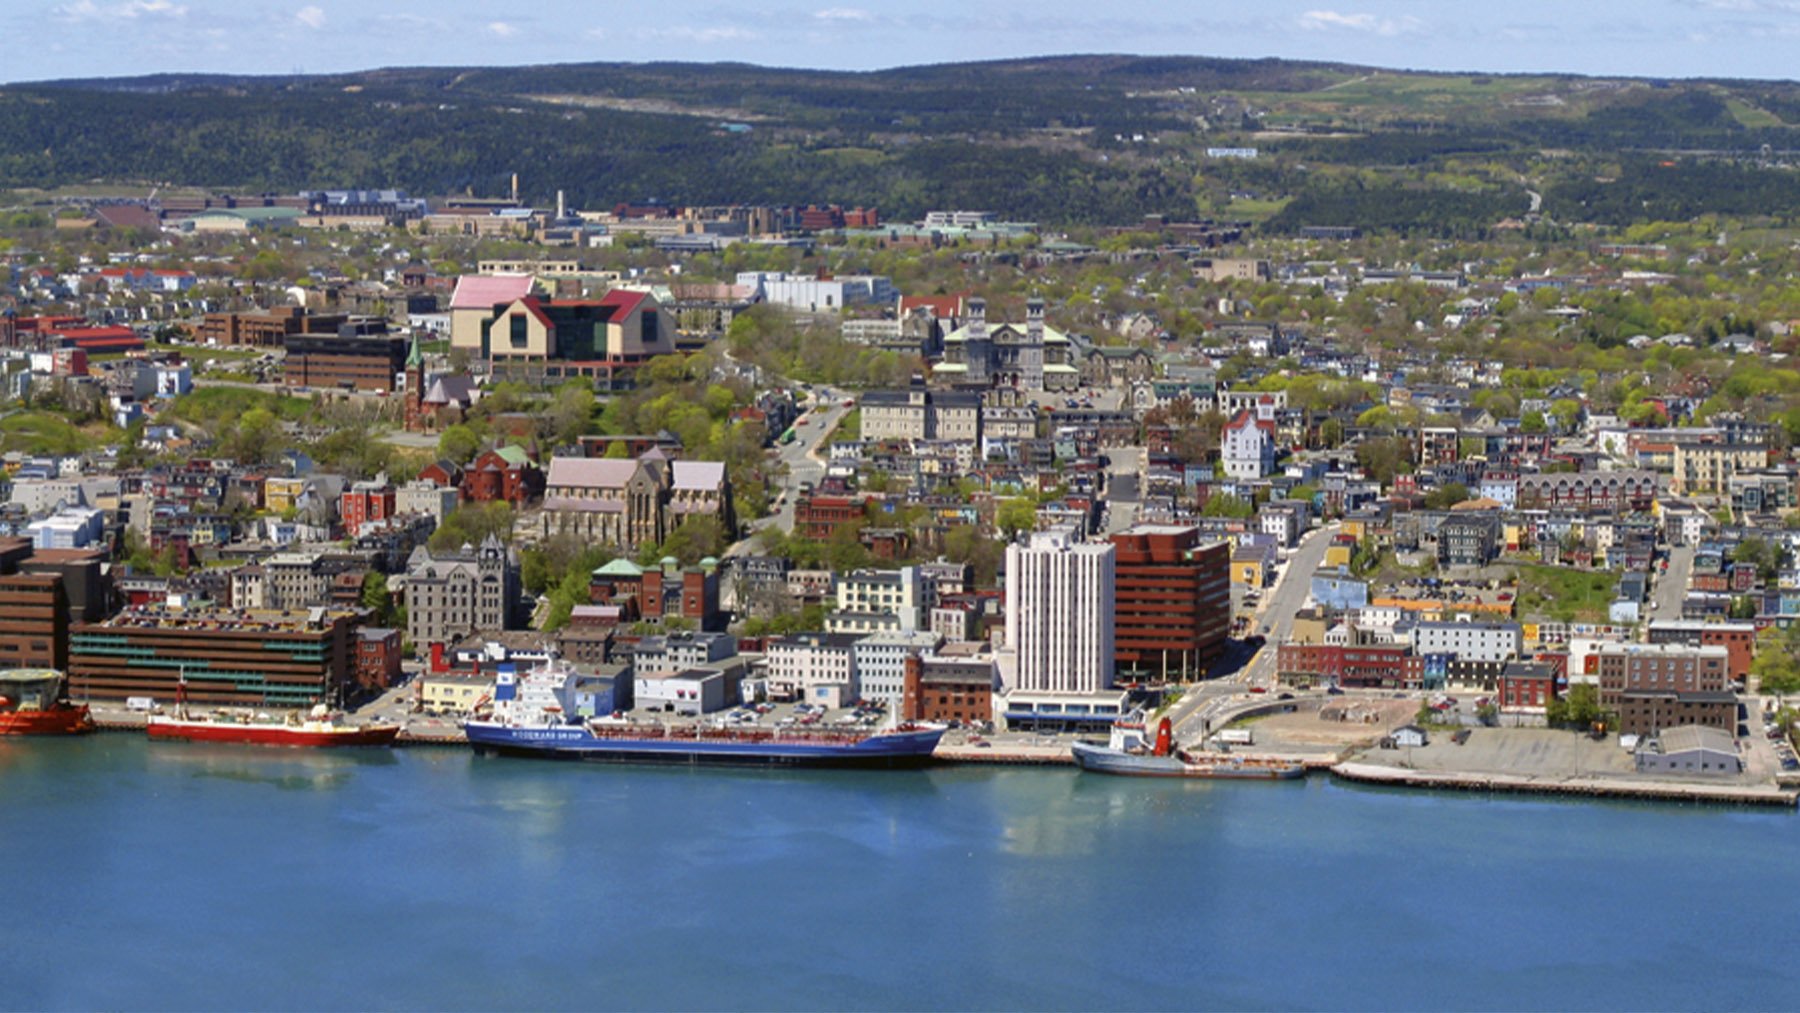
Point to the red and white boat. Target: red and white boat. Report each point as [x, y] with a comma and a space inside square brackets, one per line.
[32, 703]
[324, 727]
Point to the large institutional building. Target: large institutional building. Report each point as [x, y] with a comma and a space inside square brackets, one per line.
[1029, 358]
[1173, 601]
[1059, 613]
[452, 595]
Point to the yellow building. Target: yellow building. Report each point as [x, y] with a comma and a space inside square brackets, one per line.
[1709, 467]
[282, 494]
[1338, 555]
[453, 694]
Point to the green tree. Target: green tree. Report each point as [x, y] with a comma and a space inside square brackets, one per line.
[1775, 667]
[1579, 708]
[1446, 496]
[965, 543]
[1533, 422]
[1016, 515]
[695, 538]
[458, 444]
[376, 598]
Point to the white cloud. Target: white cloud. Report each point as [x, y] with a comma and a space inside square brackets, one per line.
[843, 14]
[503, 29]
[1330, 21]
[311, 17]
[88, 10]
[714, 33]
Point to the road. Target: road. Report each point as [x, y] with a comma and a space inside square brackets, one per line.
[1670, 588]
[1123, 494]
[804, 461]
[1194, 715]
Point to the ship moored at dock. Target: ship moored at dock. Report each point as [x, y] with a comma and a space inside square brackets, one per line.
[1131, 754]
[527, 718]
[32, 702]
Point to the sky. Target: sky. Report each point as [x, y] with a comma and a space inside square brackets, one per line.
[48, 39]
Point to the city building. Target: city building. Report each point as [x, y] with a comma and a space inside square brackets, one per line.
[34, 621]
[1172, 601]
[630, 503]
[956, 682]
[254, 658]
[454, 594]
[815, 667]
[1738, 639]
[1689, 749]
[377, 660]
[1470, 641]
[881, 661]
[360, 356]
[1059, 614]
[1031, 358]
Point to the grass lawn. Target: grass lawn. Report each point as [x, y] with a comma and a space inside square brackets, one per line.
[218, 404]
[44, 432]
[1564, 594]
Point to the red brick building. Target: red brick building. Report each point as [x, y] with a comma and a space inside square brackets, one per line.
[1172, 605]
[1738, 639]
[504, 473]
[948, 689]
[1370, 667]
[377, 661]
[365, 501]
[820, 516]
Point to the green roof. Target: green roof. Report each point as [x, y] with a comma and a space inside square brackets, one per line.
[620, 568]
[513, 454]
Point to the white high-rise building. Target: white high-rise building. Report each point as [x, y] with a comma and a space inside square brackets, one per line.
[1059, 614]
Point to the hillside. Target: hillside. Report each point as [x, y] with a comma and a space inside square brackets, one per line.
[1066, 140]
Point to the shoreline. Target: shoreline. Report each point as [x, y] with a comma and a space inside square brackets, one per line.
[1378, 775]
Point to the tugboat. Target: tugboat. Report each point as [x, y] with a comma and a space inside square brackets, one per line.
[322, 727]
[32, 702]
[1130, 754]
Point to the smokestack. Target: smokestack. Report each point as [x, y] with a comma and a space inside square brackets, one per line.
[560, 214]
[515, 188]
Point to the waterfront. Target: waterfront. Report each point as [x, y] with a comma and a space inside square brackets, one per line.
[201, 877]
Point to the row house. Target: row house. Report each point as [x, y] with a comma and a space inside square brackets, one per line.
[1347, 666]
[1614, 491]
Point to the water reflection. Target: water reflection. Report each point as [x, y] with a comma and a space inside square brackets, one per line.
[284, 769]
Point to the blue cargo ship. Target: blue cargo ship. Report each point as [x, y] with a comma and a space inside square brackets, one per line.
[530, 716]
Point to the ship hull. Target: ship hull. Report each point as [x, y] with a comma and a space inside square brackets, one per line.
[1105, 760]
[61, 720]
[270, 735]
[898, 750]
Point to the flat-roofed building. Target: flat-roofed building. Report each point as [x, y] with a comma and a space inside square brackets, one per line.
[255, 658]
[1172, 605]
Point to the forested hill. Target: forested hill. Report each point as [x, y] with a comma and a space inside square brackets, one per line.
[1064, 140]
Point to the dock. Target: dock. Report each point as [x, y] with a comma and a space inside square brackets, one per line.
[1572, 785]
[1005, 754]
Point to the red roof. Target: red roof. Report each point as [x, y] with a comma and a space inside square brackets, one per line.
[941, 306]
[530, 302]
[624, 302]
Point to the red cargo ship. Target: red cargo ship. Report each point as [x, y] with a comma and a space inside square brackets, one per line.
[31, 703]
[324, 727]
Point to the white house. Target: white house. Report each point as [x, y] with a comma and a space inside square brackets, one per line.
[1247, 445]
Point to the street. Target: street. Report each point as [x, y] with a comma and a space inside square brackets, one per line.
[804, 461]
[1670, 588]
[1206, 700]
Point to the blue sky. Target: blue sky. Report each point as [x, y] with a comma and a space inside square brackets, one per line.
[1652, 38]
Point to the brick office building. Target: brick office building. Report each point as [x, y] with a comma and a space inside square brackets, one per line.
[1172, 603]
[34, 621]
[255, 658]
[360, 356]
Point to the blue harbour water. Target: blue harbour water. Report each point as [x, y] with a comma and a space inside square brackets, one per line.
[165, 876]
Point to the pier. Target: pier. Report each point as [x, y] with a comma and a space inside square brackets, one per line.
[1590, 787]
